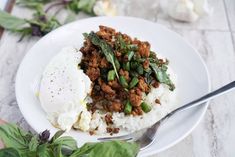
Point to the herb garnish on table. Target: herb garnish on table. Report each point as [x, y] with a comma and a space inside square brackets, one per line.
[20, 143]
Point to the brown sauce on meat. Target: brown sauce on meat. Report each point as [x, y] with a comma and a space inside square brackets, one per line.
[111, 95]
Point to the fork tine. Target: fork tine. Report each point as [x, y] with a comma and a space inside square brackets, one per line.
[124, 138]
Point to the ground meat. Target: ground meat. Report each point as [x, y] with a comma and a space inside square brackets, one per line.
[126, 38]
[104, 63]
[91, 132]
[116, 106]
[110, 97]
[95, 59]
[116, 130]
[138, 110]
[157, 101]
[87, 48]
[144, 49]
[143, 86]
[138, 91]
[125, 74]
[112, 130]
[114, 84]
[107, 89]
[109, 130]
[122, 94]
[146, 64]
[155, 84]
[135, 99]
[93, 73]
[107, 29]
[106, 33]
[108, 119]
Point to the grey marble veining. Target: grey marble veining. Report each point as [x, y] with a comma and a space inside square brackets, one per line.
[230, 8]
[212, 36]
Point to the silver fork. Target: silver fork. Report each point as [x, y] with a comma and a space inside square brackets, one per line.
[145, 137]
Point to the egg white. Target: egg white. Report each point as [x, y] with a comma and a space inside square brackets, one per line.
[63, 88]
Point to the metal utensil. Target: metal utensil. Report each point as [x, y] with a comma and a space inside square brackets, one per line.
[145, 137]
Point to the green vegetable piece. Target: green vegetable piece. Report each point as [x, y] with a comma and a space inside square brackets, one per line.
[132, 47]
[153, 55]
[123, 82]
[134, 74]
[140, 69]
[111, 75]
[106, 50]
[128, 107]
[130, 54]
[85, 35]
[126, 66]
[133, 82]
[145, 107]
[134, 65]
[121, 43]
[162, 76]
[117, 64]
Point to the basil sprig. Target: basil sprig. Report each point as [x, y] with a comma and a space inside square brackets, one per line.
[20, 143]
[42, 22]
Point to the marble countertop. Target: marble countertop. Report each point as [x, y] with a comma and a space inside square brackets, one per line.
[213, 37]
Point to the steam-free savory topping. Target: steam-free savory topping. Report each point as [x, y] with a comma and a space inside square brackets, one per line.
[122, 71]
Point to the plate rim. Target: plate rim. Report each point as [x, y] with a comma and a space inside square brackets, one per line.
[126, 18]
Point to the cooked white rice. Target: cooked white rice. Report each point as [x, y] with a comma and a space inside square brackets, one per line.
[132, 123]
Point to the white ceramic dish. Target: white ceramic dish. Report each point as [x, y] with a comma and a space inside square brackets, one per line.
[187, 64]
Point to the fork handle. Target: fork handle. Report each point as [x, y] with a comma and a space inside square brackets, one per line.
[204, 98]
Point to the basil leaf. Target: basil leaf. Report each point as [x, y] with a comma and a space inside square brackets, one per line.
[162, 76]
[33, 144]
[66, 141]
[85, 149]
[11, 22]
[81, 5]
[15, 137]
[86, 6]
[9, 152]
[57, 135]
[44, 151]
[58, 151]
[108, 149]
[106, 49]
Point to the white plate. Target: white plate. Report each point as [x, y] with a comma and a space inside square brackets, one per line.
[187, 64]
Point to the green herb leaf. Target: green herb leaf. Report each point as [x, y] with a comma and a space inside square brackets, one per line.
[44, 151]
[13, 136]
[106, 50]
[33, 144]
[108, 149]
[57, 135]
[23, 144]
[84, 150]
[162, 76]
[11, 22]
[67, 142]
[81, 5]
[9, 152]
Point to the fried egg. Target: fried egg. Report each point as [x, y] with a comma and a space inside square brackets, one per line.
[63, 89]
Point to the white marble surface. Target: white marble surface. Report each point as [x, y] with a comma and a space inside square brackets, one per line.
[2, 4]
[212, 36]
